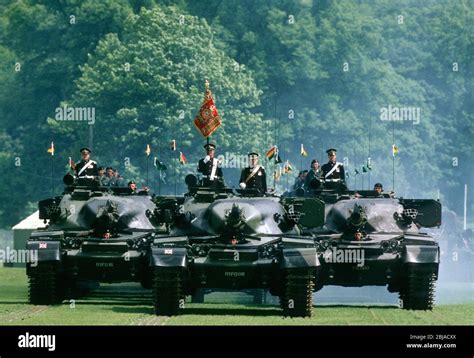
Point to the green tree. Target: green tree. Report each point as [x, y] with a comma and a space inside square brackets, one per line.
[148, 86]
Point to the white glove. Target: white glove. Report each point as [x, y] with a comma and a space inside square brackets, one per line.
[207, 158]
[243, 185]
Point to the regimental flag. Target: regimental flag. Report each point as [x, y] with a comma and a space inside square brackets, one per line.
[364, 169]
[51, 149]
[182, 158]
[148, 150]
[356, 171]
[369, 163]
[304, 153]
[208, 119]
[287, 168]
[272, 152]
[173, 145]
[394, 150]
[159, 165]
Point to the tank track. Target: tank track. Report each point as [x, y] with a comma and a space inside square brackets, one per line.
[168, 297]
[297, 297]
[417, 292]
[45, 285]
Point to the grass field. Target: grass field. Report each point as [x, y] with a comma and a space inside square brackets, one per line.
[127, 304]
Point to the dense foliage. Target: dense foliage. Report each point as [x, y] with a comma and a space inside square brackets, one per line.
[282, 72]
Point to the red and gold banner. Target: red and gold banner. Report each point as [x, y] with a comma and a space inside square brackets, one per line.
[208, 119]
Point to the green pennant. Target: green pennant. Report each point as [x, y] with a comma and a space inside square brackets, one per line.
[159, 165]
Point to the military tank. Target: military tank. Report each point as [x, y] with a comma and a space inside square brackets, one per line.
[375, 239]
[94, 234]
[220, 238]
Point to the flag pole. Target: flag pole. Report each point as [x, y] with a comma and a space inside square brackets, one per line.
[175, 169]
[465, 208]
[274, 177]
[147, 169]
[52, 176]
[362, 175]
[159, 175]
[276, 135]
[369, 168]
[355, 175]
[322, 152]
[154, 173]
[393, 156]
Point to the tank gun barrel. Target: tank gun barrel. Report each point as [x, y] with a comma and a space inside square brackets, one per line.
[358, 217]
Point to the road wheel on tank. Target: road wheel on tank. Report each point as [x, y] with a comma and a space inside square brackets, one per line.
[198, 296]
[168, 291]
[45, 286]
[297, 300]
[417, 290]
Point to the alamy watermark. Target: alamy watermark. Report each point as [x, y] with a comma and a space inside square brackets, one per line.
[66, 113]
[400, 114]
[233, 160]
[28, 340]
[14, 256]
[346, 256]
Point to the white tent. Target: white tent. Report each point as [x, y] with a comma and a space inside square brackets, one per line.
[32, 222]
[23, 230]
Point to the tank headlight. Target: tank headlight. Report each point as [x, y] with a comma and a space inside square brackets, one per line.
[390, 245]
[267, 251]
[200, 250]
[71, 243]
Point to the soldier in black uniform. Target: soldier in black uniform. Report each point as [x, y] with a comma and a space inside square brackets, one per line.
[300, 179]
[86, 167]
[378, 190]
[314, 173]
[333, 172]
[254, 177]
[210, 168]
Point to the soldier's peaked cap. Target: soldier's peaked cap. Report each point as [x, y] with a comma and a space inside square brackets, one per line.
[209, 146]
[85, 149]
[253, 153]
[331, 150]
